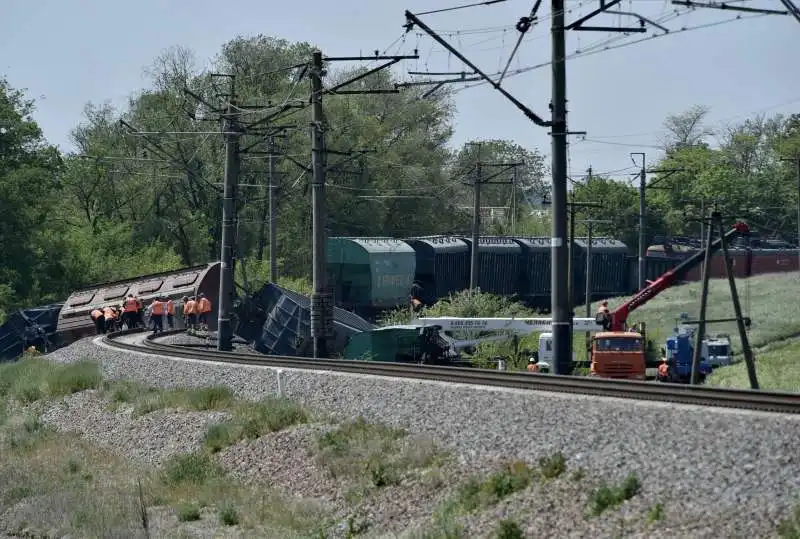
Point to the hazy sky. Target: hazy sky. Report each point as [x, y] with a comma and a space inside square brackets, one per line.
[67, 53]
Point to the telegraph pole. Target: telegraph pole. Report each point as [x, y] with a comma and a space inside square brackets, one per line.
[321, 298]
[226, 278]
[589, 230]
[514, 202]
[573, 209]
[320, 302]
[273, 214]
[474, 270]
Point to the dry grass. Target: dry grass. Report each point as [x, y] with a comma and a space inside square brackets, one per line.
[53, 482]
[374, 455]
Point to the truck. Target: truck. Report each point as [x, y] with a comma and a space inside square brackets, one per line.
[678, 352]
[717, 350]
[617, 333]
[611, 355]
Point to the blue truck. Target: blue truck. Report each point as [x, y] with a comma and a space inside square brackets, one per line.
[678, 352]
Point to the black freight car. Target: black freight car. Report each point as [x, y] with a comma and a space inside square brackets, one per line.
[442, 266]
[609, 268]
[498, 260]
[535, 278]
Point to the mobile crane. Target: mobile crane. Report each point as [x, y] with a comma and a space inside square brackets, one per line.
[615, 322]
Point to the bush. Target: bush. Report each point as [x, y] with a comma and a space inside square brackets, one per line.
[608, 497]
[187, 513]
[191, 468]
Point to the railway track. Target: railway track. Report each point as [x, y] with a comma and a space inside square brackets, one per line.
[764, 401]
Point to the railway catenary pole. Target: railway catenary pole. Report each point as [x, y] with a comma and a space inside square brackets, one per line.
[701, 328]
[273, 214]
[226, 277]
[474, 266]
[573, 210]
[588, 279]
[320, 302]
[642, 219]
[559, 301]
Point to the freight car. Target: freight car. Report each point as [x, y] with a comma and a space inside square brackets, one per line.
[746, 262]
[74, 322]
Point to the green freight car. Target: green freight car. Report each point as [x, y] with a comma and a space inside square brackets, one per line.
[403, 344]
[370, 273]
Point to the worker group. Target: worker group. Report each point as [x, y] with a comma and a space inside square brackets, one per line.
[159, 314]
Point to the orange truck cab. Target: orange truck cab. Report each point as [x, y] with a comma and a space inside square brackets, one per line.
[618, 354]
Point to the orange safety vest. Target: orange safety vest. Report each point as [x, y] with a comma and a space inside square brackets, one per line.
[170, 307]
[205, 305]
[131, 305]
[97, 313]
[532, 367]
[663, 369]
[158, 308]
[109, 313]
[189, 307]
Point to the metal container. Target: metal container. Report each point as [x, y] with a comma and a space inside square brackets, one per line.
[442, 266]
[610, 272]
[535, 263]
[370, 272]
[499, 263]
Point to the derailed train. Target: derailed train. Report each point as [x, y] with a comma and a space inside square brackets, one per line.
[61, 324]
[369, 275]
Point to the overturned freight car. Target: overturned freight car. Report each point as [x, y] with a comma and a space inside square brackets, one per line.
[277, 321]
[29, 327]
[74, 322]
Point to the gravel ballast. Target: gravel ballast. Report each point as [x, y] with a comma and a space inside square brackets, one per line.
[717, 473]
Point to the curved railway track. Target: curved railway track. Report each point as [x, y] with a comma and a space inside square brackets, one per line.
[764, 401]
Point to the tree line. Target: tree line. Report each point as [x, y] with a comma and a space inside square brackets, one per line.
[126, 204]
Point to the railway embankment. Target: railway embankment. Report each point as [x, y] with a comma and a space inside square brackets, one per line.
[438, 460]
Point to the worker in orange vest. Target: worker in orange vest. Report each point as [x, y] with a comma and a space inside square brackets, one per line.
[533, 365]
[99, 322]
[109, 318]
[190, 312]
[663, 370]
[204, 307]
[170, 313]
[130, 310]
[157, 310]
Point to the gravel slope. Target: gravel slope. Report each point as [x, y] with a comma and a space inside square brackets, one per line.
[718, 473]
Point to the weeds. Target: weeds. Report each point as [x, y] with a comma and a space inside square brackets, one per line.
[789, 528]
[228, 515]
[374, 453]
[508, 529]
[187, 512]
[191, 468]
[552, 466]
[655, 513]
[608, 497]
[251, 421]
[197, 399]
[31, 379]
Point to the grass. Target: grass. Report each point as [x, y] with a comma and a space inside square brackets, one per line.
[374, 455]
[789, 528]
[253, 420]
[767, 299]
[608, 497]
[777, 368]
[33, 378]
[51, 480]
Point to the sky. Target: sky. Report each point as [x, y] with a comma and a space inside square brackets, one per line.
[66, 54]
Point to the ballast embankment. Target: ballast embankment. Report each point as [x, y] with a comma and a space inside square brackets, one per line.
[716, 471]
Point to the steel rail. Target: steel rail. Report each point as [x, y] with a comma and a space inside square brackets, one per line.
[758, 400]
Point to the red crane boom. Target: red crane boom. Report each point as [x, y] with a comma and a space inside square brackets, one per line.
[615, 321]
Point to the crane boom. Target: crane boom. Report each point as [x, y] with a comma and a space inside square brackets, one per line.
[519, 325]
[619, 317]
